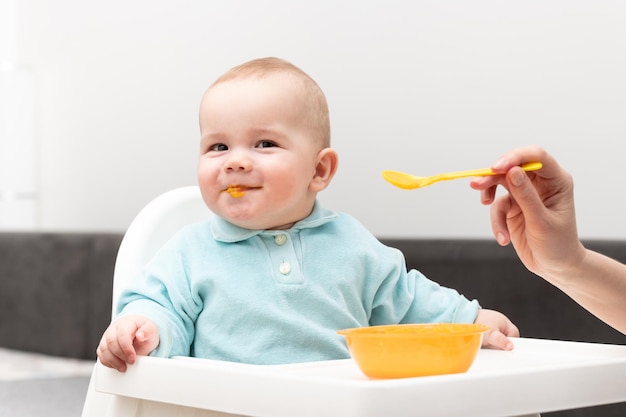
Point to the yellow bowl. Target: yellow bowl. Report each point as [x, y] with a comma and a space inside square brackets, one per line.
[410, 350]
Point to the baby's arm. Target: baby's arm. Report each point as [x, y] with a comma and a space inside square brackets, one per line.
[501, 327]
[126, 338]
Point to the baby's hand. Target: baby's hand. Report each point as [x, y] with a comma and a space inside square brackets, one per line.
[501, 327]
[126, 338]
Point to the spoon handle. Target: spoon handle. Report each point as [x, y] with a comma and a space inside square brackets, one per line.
[482, 172]
[463, 174]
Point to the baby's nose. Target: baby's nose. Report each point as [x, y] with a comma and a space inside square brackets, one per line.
[238, 162]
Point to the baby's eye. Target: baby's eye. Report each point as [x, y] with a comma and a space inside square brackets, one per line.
[218, 147]
[265, 144]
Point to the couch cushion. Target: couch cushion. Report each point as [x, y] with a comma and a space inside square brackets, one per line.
[55, 291]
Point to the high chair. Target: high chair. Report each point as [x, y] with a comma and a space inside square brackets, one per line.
[538, 375]
[149, 230]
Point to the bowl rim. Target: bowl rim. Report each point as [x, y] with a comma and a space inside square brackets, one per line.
[380, 330]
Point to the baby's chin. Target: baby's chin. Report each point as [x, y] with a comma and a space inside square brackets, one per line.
[256, 223]
[241, 217]
[248, 215]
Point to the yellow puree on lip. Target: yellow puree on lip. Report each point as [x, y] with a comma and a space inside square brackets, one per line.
[235, 192]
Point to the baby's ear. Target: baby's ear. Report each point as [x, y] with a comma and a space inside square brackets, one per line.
[327, 160]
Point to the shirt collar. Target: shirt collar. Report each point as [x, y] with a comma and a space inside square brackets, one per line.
[225, 231]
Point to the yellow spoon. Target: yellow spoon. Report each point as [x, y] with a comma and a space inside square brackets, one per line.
[409, 182]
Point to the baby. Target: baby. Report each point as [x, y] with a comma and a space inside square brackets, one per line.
[273, 275]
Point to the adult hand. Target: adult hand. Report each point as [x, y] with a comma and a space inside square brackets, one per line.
[538, 214]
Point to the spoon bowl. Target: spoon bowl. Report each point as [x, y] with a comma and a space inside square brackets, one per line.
[410, 182]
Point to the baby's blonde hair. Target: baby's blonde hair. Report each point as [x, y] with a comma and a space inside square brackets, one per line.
[315, 107]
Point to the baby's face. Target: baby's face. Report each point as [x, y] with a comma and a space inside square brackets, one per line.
[257, 160]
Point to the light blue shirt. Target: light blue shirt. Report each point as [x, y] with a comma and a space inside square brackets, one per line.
[222, 292]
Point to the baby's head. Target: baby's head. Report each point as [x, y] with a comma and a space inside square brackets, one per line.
[264, 152]
[313, 105]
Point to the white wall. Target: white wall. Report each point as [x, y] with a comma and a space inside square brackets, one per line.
[423, 86]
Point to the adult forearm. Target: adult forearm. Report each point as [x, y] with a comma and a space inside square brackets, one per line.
[599, 285]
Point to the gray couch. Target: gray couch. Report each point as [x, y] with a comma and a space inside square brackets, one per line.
[55, 294]
[55, 299]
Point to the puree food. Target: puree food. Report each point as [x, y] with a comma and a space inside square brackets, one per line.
[235, 192]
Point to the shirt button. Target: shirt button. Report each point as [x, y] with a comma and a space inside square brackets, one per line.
[280, 239]
[285, 268]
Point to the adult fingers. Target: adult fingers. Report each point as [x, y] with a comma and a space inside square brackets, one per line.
[522, 190]
[499, 212]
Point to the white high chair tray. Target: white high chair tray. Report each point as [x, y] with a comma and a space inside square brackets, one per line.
[537, 376]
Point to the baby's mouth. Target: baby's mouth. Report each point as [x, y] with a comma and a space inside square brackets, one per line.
[238, 191]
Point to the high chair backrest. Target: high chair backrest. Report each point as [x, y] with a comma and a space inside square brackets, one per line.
[151, 228]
